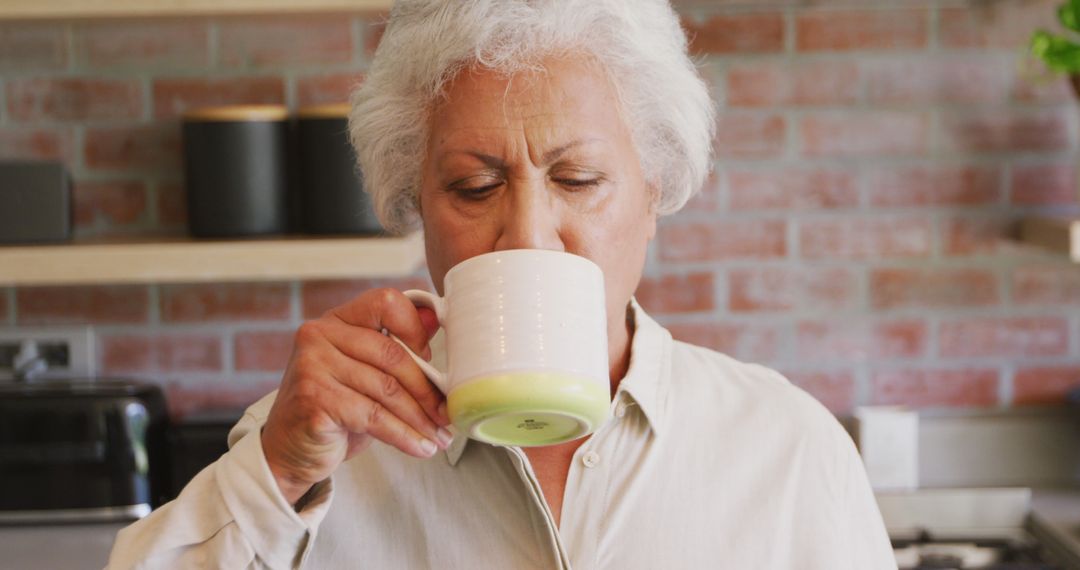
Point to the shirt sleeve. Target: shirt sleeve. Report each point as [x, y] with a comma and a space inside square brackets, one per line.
[231, 515]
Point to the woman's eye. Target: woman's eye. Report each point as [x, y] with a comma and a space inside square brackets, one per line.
[477, 192]
[578, 182]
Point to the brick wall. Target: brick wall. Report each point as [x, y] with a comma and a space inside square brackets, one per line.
[873, 160]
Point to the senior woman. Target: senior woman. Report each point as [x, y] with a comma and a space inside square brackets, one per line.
[567, 125]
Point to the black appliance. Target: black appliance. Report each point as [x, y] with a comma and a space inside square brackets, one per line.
[81, 450]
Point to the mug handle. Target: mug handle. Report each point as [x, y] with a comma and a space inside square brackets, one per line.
[437, 304]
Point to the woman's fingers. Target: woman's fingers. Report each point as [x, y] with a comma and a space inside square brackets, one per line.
[387, 391]
[347, 383]
[384, 353]
[388, 309]
[360, 414]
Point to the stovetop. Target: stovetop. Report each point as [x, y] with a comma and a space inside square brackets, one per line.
[926, 553]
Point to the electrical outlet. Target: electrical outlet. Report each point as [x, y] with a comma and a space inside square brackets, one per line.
[68, 351]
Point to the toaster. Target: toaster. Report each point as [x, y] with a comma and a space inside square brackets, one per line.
[81, 451]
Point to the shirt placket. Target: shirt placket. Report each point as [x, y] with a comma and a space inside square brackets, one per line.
[585, 503]
[524, 470]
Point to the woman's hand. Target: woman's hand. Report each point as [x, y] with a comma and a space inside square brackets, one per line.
[346, 383]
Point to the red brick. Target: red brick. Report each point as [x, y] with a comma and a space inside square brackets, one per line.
[109, 203]
[720, 240]
[878, 133]
[173, 352]
[835, 390]
[736, 33]
[860, 30]
[1044, 184]
[979, 237]
[82, 305]
[1046, 385]
[185, 399]
[1005, 130]
[754, 289]
[810, 83]
[265, 351]
[285, 40]
[225, 301]
[860, 341]
[143, 43]
[171, 204]
[1047, 89]
[1051, 285]
[750, 135]
[35, 144]
[154, 147]
[174, 96]
[924, 81]
[323, 89]
[318, 297]
[758, 343]
[792, 189]
[673, 293]
[935, 185]
[37, 47]
[1004, 337]
[932, 288]
[994, 24]
[865, 238]
[74, 99]
[708, 199]
[923, 388]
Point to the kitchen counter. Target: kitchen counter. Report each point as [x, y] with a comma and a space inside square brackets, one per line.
[74, 547]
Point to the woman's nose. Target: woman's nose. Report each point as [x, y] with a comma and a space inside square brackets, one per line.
[530, 219]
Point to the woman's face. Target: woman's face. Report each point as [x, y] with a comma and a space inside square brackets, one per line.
[537, 161]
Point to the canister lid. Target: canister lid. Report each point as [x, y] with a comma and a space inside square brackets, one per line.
[326, 111]
[228, 113]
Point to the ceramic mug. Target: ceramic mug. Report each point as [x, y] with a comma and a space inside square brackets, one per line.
[526, 346]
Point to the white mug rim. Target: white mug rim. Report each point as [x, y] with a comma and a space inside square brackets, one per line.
[461, 266]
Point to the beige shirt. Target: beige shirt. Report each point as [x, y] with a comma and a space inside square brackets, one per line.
[706, 462]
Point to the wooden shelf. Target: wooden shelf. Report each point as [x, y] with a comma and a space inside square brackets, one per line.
[1057, 234]
[186, 260]
[34, 9]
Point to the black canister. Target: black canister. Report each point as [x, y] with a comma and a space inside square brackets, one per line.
[235, 161]
[333, 200]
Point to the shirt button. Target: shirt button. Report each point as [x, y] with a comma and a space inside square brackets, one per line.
[590, 459]
[620, 410]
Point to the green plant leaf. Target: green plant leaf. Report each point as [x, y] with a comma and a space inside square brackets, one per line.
[1058, 53]
[1069, 15]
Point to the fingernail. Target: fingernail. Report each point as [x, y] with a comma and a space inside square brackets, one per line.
[428, 447]
[444, 437]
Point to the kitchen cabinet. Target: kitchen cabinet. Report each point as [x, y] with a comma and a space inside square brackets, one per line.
[1060, 234]
[185, 260]
[20, 9]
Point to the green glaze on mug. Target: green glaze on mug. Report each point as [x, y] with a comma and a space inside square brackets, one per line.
[528, 408]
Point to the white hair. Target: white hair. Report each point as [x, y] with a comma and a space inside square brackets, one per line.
[638, 43]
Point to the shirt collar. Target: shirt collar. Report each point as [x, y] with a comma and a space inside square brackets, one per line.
[645, 382]
[646, 379]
